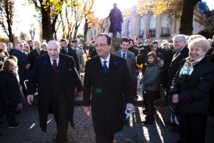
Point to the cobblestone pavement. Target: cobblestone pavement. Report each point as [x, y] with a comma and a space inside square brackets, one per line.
[157, 132]
[30, 131]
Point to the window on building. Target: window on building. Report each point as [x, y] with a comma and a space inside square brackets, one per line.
[142, 27]
[152, 26]
[165, 28]
[129, 29]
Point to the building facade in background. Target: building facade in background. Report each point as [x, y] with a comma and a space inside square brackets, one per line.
[147, 26]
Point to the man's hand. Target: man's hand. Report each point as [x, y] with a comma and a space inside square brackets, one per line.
[27, 66]
[30, 99]
[131, 106]
[80, 93]
[175, 98]
[87, 110]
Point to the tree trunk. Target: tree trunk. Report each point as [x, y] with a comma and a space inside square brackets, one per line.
[54, 30]
[47, 32]
[9, 17]
[85, 30]
[76, 30]
[187, 17]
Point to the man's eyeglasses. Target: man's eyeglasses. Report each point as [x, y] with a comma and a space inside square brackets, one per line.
[101, 45]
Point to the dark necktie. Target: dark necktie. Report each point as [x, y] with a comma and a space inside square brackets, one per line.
[124, 55]
[54, 64]
[105, 66]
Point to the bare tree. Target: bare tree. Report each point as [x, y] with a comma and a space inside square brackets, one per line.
[6, 18]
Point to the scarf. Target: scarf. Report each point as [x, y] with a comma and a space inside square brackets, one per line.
[188, 66]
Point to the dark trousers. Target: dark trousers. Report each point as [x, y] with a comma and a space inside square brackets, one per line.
[61, 117]
[104, 138]
[11, 114]
[193, 128]
[149, 99]
[134, 82]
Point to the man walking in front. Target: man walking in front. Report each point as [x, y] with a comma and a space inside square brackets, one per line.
[57, 77]
[108, 90]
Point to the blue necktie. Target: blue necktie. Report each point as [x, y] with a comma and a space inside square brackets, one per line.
[124, 55]
[105, 66]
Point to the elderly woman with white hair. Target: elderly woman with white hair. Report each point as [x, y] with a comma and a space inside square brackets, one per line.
[190, 92]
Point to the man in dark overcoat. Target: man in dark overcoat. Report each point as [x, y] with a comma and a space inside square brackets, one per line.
[36, 52]
[108, 90]
[57, 77]
[23, 64]
[67, 50]
[180, 45]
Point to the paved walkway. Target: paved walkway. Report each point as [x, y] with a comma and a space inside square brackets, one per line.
[30, 131]
[158, 132]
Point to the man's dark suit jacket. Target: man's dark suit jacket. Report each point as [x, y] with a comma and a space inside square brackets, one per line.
[23, 60]
[41, 75]
[73, 54]
[107, 93]
[130, 59]
[175, 64]
[33, 55]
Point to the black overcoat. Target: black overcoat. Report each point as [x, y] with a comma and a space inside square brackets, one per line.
[73, 54]
[10, 92]
[107, 93]
[23, 60]
[41, 75]
[194, 90]
[174, 66]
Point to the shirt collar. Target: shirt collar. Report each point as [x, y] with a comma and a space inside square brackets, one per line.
[107, 59]
[123, 52]
[57, 61]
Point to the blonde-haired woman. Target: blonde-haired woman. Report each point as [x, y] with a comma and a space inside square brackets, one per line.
[190, 92]
[10, 93]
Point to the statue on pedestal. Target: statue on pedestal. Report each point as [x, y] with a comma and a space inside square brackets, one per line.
[116, 19]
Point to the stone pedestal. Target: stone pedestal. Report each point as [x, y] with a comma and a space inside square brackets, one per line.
[115, 44]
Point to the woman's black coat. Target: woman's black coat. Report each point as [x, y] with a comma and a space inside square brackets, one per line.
[194, 90]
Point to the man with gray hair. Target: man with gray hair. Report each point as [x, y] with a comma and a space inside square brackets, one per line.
[180, 45]
[36, 52]
[57, 78]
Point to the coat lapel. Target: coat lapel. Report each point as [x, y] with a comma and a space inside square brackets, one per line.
[112, 64]
[47, 69]
[176, 55]
[98, 65]
[61, 67]
[118, 53]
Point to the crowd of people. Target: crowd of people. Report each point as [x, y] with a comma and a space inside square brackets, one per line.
[185, 71]
[182, 67]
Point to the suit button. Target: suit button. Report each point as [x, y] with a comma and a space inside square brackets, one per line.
[105, 79]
